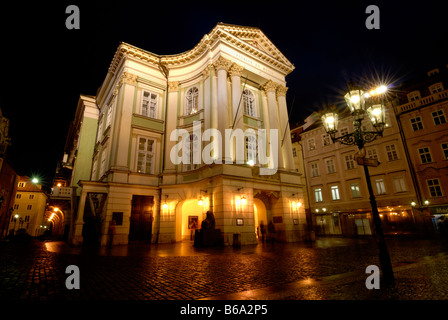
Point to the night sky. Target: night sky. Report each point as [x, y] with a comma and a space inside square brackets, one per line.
[45, 66]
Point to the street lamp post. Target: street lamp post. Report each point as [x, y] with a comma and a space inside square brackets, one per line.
[362, 103]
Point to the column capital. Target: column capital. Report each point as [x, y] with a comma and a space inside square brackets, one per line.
[235, 70]
[281, 90]
[173, 86]
[269, 86]
[128, 78]
[221, 63]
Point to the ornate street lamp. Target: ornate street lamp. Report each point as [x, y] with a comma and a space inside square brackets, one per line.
[361, 104]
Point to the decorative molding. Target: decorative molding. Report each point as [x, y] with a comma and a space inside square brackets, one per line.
[128, 78]
[173, 86]
[221, 64]
[281, 90]
[235, 70]
[269, 86]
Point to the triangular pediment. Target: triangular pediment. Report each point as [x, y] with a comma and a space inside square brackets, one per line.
[256, 39]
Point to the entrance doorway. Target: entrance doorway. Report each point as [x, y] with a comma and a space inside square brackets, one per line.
[141, 218]
[189, 216]
[260, 216]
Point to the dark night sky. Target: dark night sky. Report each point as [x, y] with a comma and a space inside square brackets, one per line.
[46, 66]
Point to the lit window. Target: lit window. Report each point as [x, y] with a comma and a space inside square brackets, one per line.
[434, 187]
[251, 149]
[318, 194]
[438, 117]
[145, 155]
[249, 103]
[391, 152]
[22, 184]
[380, 187]
[192, 103]
[400, 185]
[192, 157]
[416, 123]
[354, 187]
[335, 193]
[425, 155]
[149, 104]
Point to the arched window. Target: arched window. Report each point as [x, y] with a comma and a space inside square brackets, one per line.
[249, 103]
[192, 103]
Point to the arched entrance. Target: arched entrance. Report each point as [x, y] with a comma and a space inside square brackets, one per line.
[189, 216]
[260, 216]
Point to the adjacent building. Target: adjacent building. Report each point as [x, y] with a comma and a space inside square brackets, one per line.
[29, 209]
[422, 112]
[162, 156]
[339, 198]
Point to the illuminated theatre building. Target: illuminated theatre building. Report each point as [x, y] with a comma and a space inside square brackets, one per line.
[234, 78]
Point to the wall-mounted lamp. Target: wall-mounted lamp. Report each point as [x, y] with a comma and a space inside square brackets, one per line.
[165, 205]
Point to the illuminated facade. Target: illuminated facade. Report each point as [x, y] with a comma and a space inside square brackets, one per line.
[234, 78]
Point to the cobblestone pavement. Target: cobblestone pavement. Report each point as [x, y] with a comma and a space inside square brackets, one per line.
[329, 269]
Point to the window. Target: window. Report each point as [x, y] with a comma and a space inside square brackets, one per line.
[371, 153]
[416, 123]
[326, 140]
[100, 130]
[31, 197]
[354, 187]
[294, 152]
[145, 155]
[314, 170]
[311, 144]
[330, 166]
[349, 163]
[433, 72]
[18, 196]
[445, 150]
[192, 152]
[251, 149]
[380, 188]
[29, 207]
[249, 103]
[109, 116]
[437, 87]
[344, 131]
[22, 184]
[94, 167]
[192, 103]
[434, 187]
[149, 104]
[399, 184]
[318, 194]
[414, 95]
[335, 193]
[27, 218]
[391, 152]
[438, 117]
[103, 160]
[16, 206]
[425, 155]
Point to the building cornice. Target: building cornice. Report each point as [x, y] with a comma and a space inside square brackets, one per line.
[248, 39]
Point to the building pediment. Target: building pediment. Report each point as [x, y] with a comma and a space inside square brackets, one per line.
[247, 39]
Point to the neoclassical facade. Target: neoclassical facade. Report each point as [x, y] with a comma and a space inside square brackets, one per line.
[166, 152]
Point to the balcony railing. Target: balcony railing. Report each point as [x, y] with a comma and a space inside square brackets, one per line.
[423, 101]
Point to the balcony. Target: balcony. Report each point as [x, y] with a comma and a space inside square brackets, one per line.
[61, 192]
[423, 101]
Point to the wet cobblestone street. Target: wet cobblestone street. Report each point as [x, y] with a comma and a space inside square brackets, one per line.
[330, 269]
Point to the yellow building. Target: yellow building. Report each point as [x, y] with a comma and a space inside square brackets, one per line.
[29, 208]
[155, 110]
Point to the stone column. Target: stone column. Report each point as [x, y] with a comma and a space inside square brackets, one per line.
[274, 123]
[285, 132]
[221, 66]
[75, 236]
[171, 110]
[235, 72]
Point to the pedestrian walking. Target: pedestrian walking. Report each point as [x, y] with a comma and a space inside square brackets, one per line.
[262, 230]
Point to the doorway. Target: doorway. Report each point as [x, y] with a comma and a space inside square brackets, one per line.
[260, 216]
[141, 218]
